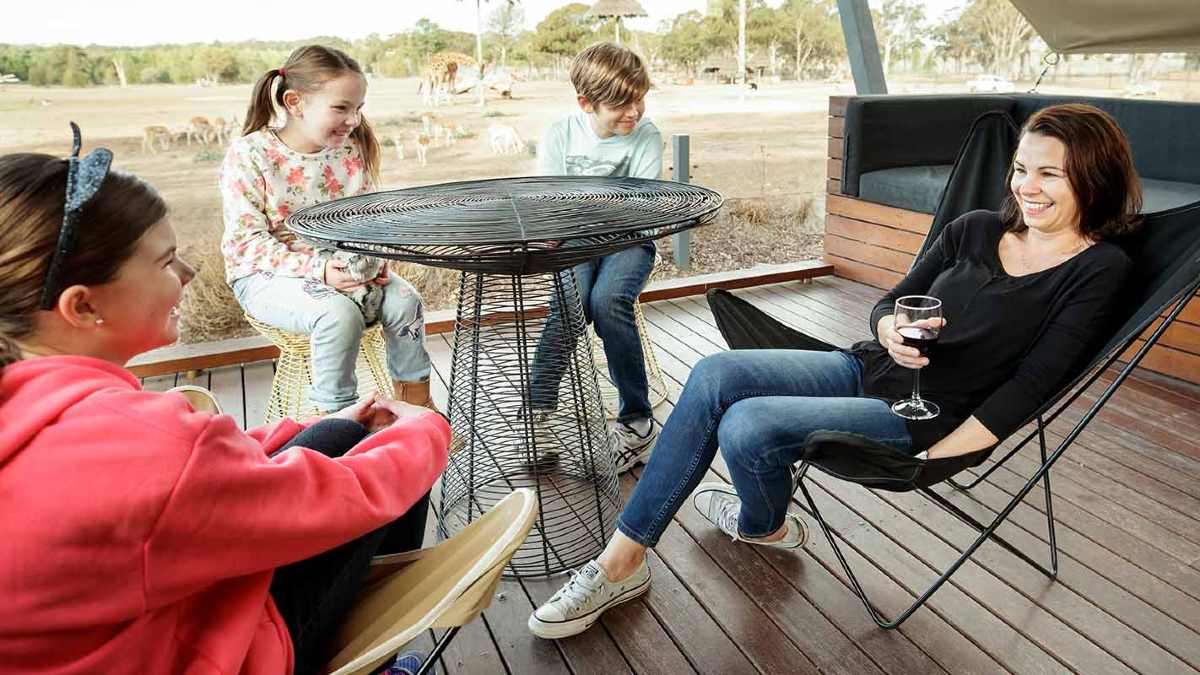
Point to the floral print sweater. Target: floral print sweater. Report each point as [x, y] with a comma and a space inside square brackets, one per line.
[263, 181]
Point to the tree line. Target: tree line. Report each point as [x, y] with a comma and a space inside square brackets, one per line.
[800, 39]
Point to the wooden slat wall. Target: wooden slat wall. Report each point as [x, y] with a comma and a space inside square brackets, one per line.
[875, 244]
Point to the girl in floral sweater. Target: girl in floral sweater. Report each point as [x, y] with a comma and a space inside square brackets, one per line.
[324, 150]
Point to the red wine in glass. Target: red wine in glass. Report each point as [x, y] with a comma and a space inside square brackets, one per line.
[921, 338]
[918, 321]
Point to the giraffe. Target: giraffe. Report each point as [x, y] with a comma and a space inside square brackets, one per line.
[439, 75]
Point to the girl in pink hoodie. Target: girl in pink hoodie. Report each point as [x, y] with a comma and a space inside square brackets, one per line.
[141, 536]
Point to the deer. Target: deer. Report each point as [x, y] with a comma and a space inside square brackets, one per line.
[201, 129]
[222, 131]
[505, 140]
[155, 136]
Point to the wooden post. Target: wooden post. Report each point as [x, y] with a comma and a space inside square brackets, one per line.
[681, 241]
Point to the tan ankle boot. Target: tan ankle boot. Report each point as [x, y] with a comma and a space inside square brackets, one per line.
[416, 393]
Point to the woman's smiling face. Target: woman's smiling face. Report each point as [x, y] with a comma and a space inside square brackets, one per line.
[1041, 186]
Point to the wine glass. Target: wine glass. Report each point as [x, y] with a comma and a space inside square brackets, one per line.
[918, 321]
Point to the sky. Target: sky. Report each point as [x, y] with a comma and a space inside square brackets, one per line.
[142, 22]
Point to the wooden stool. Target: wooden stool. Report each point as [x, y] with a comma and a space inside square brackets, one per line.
[293, 371]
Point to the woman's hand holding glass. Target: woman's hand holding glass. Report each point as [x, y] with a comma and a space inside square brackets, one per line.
[893, 341]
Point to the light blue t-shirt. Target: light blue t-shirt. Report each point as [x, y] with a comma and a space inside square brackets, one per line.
[569, 147]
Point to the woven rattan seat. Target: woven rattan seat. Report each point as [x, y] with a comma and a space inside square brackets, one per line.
[293, 370]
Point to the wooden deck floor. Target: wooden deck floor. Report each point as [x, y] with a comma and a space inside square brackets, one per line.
[1127, 507]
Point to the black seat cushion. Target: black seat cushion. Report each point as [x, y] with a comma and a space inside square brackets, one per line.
[915, 188]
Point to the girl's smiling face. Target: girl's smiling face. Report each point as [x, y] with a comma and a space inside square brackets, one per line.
[325, 118]
[141, 306]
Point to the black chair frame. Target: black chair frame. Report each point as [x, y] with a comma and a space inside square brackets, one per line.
[1042, 475]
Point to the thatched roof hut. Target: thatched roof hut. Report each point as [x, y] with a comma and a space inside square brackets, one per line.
[616, 10]
[612, 9]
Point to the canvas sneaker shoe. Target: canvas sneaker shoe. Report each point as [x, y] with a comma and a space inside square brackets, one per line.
[720, 504]
[407, 663]
[579, 604]
[632, 447]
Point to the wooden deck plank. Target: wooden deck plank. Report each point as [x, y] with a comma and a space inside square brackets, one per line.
[226, 384]
[257, 378]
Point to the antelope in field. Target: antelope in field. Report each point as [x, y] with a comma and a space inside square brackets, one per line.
[156, 136]
[201, 129]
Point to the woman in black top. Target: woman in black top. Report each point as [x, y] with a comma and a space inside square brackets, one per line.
[1024, 293]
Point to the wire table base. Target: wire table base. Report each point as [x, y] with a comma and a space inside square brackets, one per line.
[503, 443]
[509, 236]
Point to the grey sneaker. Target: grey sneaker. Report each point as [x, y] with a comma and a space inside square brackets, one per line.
[633, 448]
[579, 604]
[720, 504]
[544, 434]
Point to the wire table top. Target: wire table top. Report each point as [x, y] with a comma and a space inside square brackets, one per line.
[525, 225]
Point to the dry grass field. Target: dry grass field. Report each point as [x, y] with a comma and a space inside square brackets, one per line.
[764, 150]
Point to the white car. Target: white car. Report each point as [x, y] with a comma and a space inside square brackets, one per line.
[989, 83]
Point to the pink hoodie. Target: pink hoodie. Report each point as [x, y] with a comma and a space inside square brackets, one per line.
[138, 536]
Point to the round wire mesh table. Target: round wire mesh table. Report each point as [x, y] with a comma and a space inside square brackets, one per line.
[514, 240]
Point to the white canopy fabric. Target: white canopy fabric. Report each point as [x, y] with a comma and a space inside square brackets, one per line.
[1078, 26]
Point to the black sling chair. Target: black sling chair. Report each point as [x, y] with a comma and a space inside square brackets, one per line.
[1165, 276]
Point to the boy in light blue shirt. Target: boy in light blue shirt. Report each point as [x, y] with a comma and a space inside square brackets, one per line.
[607, 136]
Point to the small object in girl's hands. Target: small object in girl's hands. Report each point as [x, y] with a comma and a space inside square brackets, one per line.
[362, 268]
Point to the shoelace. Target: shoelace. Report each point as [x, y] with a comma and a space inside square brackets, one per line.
[727, 516]
[574, 593]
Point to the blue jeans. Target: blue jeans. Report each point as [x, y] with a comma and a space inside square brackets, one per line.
[608, 287]
[758, 405]
[335, 325]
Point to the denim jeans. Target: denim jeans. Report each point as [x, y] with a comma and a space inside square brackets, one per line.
[314, 595]
[758, 406]
[335, 325]
[608, 287]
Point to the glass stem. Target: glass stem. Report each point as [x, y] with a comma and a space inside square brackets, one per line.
[916, 396]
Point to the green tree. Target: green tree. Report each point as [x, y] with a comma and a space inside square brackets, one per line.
[815, 37]
[899, 26]
[16, 61]
[996, 32]
[685, 43]
[506, 23]
[565, 31]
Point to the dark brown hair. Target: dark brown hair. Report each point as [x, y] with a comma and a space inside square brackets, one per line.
[306, 70]
[32, 189]
[1099, 167]
[608, 74]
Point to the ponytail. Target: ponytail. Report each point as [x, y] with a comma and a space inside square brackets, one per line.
[368, 147]
[260, 111]
[9, 351]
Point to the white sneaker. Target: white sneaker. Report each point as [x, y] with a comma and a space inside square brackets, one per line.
[633, 448]
[579, 604]
[720, 504]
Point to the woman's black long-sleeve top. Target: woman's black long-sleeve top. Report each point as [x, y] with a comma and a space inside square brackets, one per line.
[1009, 341]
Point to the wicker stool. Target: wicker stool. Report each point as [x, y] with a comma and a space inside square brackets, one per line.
[654, 376]
[293, 371]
